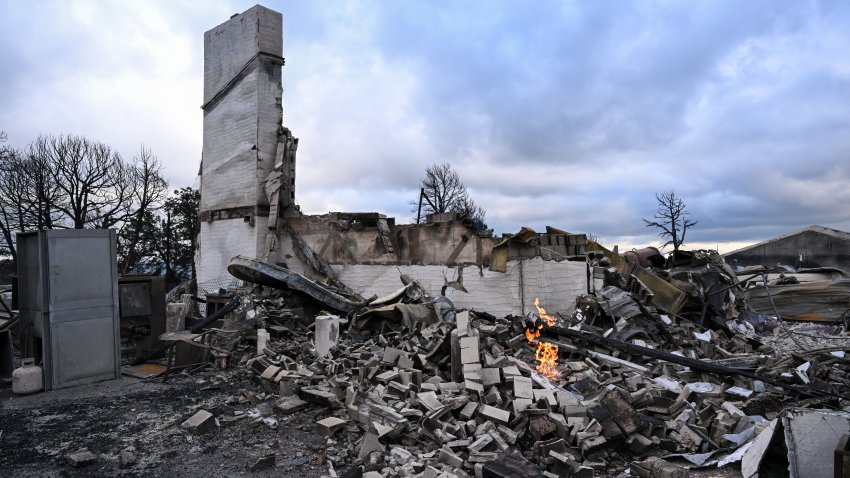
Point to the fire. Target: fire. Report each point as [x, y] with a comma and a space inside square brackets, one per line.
[546, 354]
[550, 321]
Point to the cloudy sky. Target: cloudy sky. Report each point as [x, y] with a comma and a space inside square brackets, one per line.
[571, 114]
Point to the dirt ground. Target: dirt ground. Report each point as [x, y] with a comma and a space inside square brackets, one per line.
[37, 431]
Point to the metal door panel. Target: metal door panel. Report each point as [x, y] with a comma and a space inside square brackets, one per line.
[82, 347]
[82, 344]
[81, 272]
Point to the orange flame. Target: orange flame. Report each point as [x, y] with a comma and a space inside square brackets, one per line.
[546, 353]
[550, 321]
[547, 356]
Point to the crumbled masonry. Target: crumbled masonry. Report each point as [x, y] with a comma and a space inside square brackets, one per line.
[456, 393]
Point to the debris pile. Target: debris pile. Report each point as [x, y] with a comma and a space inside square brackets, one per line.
[653, 375]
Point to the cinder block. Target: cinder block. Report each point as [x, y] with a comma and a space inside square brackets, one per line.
[199, 423]
[330, 425]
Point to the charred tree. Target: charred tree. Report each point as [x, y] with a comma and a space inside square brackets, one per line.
[671, 218]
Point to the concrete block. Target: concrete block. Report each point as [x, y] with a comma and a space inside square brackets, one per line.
[270, 372]
[468, 410]
[462, 320]
[330, 425]
[449, 458]
[199, 423]
[523, 388]
[474, 386]
[510, 466]
[495, 414]
[319, 397]
[480, 443]
[490, 376]
[81, 457]
[289, 405]
[326, 334]
[469, 350]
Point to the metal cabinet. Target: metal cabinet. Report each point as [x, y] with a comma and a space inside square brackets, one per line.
[68, 294]
[142, 309]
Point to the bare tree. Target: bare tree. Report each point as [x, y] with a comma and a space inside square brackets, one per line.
[72, 182]
[149, 190]
[443, 191]
[11, 213]
[96, 185]
[672, 218]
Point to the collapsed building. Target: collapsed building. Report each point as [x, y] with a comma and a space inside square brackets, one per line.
[427, 350]
[251, 224]
[248, 205]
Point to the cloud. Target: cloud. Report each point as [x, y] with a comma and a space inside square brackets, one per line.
[572, 114]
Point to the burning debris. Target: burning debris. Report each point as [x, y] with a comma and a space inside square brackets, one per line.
[657, 371]
[408, 385]
[546, 353]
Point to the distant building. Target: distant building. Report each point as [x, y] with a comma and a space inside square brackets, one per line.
[812, 246]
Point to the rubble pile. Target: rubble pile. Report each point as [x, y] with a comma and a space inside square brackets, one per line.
[412, 387]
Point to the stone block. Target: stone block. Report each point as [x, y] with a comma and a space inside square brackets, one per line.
[449, 458]
[495, 414]
[522, 388]
[469, 350]
[491, 376]
[81, 457]
[330, 425]
[289, 405]
[510, 466]
[462, 320]
[199, 423]
[319, 397]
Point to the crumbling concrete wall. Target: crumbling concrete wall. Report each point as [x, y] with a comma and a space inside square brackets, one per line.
[357, 238]
[242, 118]
[246, 211]
[557, 284]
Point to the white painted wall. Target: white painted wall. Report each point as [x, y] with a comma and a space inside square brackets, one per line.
[557, 284]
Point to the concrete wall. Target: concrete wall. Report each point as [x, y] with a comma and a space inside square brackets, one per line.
[220, 240]
[242, 117]
[242, 126]
[557, 284]
[339, 240]
[817, 250]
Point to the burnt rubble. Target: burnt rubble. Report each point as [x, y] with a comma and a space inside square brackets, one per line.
[641, 380]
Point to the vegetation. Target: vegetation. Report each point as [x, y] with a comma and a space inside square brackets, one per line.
[71, 182]
[441, 190]
[671, 218]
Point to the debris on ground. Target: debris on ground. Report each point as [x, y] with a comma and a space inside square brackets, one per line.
[661, 370]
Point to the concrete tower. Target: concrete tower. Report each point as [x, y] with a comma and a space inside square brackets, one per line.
[242, 129]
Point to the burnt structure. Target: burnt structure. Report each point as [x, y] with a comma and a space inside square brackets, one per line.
[812, 246]
[248, 201]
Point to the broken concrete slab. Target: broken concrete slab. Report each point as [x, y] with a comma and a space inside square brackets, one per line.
[264, 462]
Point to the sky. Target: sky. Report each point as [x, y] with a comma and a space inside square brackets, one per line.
[570, 114]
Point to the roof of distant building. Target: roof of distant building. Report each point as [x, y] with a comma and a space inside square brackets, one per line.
[835, 233]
